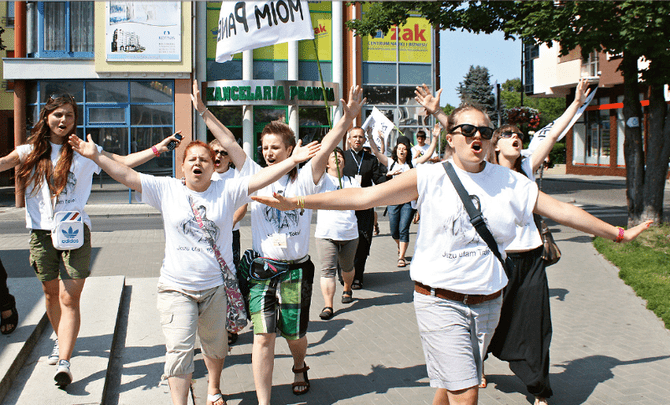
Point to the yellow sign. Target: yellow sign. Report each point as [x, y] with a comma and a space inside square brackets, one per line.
[322, 24]
[414, 42]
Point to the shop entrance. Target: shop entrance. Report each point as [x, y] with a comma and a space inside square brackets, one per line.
[262, 116]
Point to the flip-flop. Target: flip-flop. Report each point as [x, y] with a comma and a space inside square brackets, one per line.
[214, 398]
[402, 262]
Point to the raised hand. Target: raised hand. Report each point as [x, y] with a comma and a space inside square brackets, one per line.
[303, 153]
[162, 146]
[426, 99]
[352, 107]
[582, 91]
[198, 104]
[86, 149]
[277, 201]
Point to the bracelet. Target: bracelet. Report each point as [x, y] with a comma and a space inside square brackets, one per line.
[619, 237]
[155, 151]
[434, 113]
[203, 112]
[301, 204]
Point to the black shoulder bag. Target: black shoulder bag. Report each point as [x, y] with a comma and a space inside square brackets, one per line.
[476, 218]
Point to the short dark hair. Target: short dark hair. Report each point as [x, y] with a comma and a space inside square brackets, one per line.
[421, 133]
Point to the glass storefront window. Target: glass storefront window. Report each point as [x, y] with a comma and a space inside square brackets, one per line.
[49, 88]
[106, 115]
[151, 114]
[380, 95]
[379, 73]
[415, 74]
[107, 92]
[270, 70]
[152, 92]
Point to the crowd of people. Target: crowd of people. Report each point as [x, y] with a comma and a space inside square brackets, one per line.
[454, 288]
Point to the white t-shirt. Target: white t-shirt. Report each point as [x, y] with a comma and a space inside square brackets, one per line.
[336, 225]
[270, 226]
[73, 197]
[190, 262]
[394, 166]
[527, 235]
[449, 253]
[422, 150]
[233, 174]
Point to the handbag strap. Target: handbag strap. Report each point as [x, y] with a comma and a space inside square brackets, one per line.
[210, 239]
[476, 217]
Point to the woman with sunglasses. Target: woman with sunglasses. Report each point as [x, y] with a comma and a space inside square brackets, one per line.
[401, 215]
[48, 167]
[523, 336]
[458, 281]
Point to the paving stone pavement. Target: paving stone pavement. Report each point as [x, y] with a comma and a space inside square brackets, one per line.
[607, 347]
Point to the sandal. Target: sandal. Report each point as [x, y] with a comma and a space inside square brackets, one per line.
[11, 322]
[214, 399]
[326, 313]
[376, 229]
[297, 384]
[402, 262]
[347, 297]
[484, 383]
[356, 285]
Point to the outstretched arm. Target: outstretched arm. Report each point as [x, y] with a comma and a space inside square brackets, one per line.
[351, 110]
[431, 149]
[400, 190]
[220, 131]
[10, 161]
[143, 156]
[119, 172]
[577, 218]
[273, 173]
[545, 147]
[432, 104]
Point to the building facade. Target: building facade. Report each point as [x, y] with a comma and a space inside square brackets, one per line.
[130, 66]
[594, 145]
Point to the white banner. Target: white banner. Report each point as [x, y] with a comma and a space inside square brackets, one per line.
[253, 24]
[541, 134]
[379, 126]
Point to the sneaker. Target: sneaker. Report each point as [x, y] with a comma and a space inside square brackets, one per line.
[63, 375]
[52, 359]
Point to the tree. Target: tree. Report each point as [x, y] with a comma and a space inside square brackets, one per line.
[550, 108]
[476, 89]
[634, 29]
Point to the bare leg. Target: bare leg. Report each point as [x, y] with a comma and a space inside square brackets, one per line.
[328, 289]
[299, 352]
[70, 316]
[403, 249]
[214, 368]
[262, 359]
[348, 278]
[179, 386]
[52, 302]
[467, 396]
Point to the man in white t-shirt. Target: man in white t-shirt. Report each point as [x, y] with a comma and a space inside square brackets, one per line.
[421, 148]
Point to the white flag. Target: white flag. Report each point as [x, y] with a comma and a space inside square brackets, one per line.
[253, 24]
[379, 126]
[541, 134]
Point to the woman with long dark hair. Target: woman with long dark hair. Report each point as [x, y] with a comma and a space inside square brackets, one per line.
[55, 178]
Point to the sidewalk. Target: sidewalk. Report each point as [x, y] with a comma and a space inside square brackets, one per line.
[606, 349]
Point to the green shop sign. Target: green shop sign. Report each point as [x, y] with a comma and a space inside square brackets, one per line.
[269, 92]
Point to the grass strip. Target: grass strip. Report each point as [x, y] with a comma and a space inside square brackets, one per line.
[644, 264]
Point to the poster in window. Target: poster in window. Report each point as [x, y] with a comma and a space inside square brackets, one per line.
[148, 31]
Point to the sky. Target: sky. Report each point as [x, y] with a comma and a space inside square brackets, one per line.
[460, 50]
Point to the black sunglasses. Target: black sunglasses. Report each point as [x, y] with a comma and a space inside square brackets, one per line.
[221, 152]
[469, 130]
[509, 134]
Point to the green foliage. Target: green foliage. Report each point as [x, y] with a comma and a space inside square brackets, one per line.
[644, 264]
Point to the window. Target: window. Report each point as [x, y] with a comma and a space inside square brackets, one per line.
[64, 29]
[590, 65]
[8, 20]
